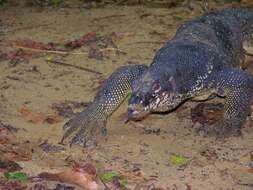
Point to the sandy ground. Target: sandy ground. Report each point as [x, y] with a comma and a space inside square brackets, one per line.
[212, 165]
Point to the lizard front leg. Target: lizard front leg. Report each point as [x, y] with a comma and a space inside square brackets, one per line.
[237, 88]
[91, 122]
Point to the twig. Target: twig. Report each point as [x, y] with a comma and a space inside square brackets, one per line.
[108, 17]
[65, 52]
[74, 66]
[50, 51]
[110, 49]
[106, 187]
[147, 42]
[245, 184]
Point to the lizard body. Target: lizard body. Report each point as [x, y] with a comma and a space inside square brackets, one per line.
[203, 58]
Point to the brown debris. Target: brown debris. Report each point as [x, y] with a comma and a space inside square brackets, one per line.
[207, 113]
[9, 166]
[16, 152]
[46, 147]
[34, 117]
[39, 186]
[6, 131]
[65, 109]
[28, 43]
[63, 187]
[26, 49]
[18, 55]
[84, 40]
[95, 53]
[81, 175]
[12, 185]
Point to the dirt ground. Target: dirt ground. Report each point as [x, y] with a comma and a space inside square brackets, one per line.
[146, 146]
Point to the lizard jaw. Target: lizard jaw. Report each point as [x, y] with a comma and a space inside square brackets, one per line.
[133, 113]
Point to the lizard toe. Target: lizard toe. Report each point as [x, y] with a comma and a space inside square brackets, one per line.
[87, 136]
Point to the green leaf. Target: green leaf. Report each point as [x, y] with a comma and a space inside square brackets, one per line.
[177, 17]
[56, 2]
[129, 95]
[178, 160]
[49, 59]
[108, 176]
[20, 176]
[123, 182]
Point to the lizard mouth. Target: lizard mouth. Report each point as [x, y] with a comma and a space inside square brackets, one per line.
[139, 111]
[134, 113]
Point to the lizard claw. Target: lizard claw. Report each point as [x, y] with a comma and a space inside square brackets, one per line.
[87, 136]
[71, 126]
[85, 130]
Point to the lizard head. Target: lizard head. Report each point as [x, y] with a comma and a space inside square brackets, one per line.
[152, 93]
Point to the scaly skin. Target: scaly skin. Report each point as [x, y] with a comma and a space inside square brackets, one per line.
[203, 57]
[91, 122]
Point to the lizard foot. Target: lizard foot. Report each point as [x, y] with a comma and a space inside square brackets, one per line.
[86, 131]
[220, 129]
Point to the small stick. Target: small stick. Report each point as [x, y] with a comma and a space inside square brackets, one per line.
[50, 51]
[74, 66]
[112, 49]
[147, 42]
[108, 17]
[65, 52]
[106, 187]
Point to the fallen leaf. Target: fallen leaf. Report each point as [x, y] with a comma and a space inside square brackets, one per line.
[108, 176]
[52, 119]
[28, 43]
[85, 39]
[12, 152]
[9, 166]
[81, 175]
[31, 116]
[36, 117]
[65, 109]
[115, 178]
[178, 160]
[19, 176]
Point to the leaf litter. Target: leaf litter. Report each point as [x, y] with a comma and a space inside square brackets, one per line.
[25, 49]
[37, 117]
[30, 49]
[83, 175]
